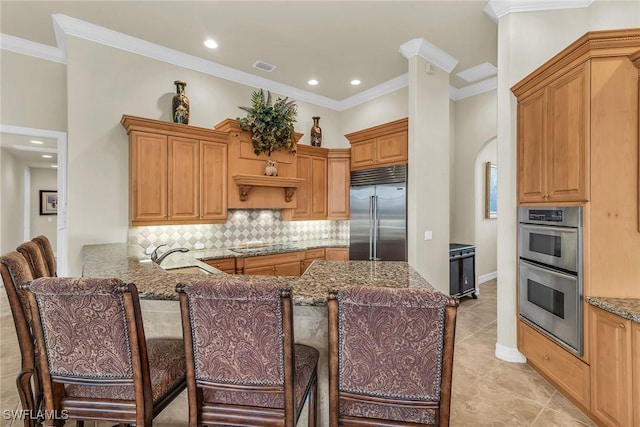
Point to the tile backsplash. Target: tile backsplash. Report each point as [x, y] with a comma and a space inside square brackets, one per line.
[242, 226]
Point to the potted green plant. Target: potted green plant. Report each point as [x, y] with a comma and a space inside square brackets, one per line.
[271, 125]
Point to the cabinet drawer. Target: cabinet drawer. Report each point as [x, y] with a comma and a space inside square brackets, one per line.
[271, 260]
[568, 372]
[337, 254]
[314, 253]
[228, 265]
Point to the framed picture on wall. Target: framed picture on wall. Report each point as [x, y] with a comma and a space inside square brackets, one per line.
[48, 202]
[491, 191]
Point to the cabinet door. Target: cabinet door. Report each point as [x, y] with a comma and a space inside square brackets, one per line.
[391, 149]
[611, 366]
[468, 280]
[318, 188]
[337, 254]
[213, 181]
[303, 194]
[148, 177]
[454, 277]
[531, 148]
[338, 183]
[567, 115]
[287, 269]
[184, 179]
[363, 154]
[261, 271]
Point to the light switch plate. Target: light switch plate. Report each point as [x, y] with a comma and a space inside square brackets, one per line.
[428, 235]
[198, 245]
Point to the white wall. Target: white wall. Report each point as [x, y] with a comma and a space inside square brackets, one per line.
[485, 228]
[525, 42]
[12, 195]
[475, 127]
[108, 83]
[43, 179]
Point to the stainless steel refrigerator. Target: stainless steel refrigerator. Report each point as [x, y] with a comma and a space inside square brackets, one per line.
[378, 226]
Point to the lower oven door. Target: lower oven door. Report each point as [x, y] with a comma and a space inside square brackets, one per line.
[551, 301]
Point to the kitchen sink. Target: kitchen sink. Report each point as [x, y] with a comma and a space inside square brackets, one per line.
[187, 270]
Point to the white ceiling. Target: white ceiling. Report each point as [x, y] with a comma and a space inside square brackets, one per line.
[330, 41]
[20, 146]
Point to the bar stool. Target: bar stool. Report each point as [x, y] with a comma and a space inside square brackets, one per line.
[243, 368]
[95, 362]
[390, 356]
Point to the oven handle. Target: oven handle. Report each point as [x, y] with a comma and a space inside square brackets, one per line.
[556, 230]
[548, 270]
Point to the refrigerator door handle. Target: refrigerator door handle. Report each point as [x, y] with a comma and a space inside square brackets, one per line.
[375, 228]
[371, 211]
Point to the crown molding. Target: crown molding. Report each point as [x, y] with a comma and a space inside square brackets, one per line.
[67, 26]
[496, 9]
[27, 47]
[472, 90]
[429, 52]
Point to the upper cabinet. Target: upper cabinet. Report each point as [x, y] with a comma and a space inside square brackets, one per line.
[177, 173]
[339, 183]
[578, 122]
[312, 193]
[553, 140]
[383, 145]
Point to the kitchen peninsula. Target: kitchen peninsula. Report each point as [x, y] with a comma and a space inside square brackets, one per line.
[161, 312]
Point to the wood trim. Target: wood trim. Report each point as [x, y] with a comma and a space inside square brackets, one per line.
[132, 123]
[339, 153]
[380, 130]
[308, 150]
[592, 45]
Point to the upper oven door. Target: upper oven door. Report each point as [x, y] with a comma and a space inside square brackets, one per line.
[555, 246]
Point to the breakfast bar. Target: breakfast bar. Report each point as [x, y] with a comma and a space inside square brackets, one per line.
[161, 312]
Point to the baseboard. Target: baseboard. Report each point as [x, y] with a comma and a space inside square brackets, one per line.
[509, 354]
[487, 277]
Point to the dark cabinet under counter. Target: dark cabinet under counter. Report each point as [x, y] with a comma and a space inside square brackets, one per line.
[462, 270]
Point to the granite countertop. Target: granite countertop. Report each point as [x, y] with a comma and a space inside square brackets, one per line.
[628, 308]
[129, 263]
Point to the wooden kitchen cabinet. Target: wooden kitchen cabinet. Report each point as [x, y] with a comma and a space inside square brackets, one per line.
[379, 146]
[338, 183]
[611, 369]
[177, 173]
[312, 194]
[226, 265]
[286, 264]
[309, 256]
[553, 144]
[563, 369]
[635, 339]
[337, 254]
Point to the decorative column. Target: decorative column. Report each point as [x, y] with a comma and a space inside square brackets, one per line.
[428, 180]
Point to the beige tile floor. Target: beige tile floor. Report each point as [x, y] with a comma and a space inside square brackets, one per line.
[486, 391]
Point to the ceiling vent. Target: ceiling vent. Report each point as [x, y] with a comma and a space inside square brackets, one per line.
[264, 66]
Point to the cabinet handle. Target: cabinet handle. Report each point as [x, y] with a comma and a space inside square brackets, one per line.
[621, 325]
[546, 357]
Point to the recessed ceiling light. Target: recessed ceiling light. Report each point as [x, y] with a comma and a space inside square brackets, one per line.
[355, 82]
[47, 156]
[211, 44]
[313, 82]
[54, 166]
[33, 141]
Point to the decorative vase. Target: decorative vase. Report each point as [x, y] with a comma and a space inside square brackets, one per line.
[316, 132]
[180, 105]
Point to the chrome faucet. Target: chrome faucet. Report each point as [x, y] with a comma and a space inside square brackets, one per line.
[158, 260]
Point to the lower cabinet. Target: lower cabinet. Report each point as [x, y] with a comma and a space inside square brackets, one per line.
[565, 370]
[612, 371]
[635, 332]
[226, 265]
[309, 256]
[287, 264]
[337, 254]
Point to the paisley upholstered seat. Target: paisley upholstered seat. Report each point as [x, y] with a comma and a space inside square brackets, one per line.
[35, 257]
[15, 271]
[47, 252]
[243, 367]
[95, 362]
[390, 356]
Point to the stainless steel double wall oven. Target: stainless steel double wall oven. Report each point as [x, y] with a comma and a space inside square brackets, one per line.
[550, 265]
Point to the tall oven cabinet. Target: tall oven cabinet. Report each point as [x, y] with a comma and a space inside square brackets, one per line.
[578, 145]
